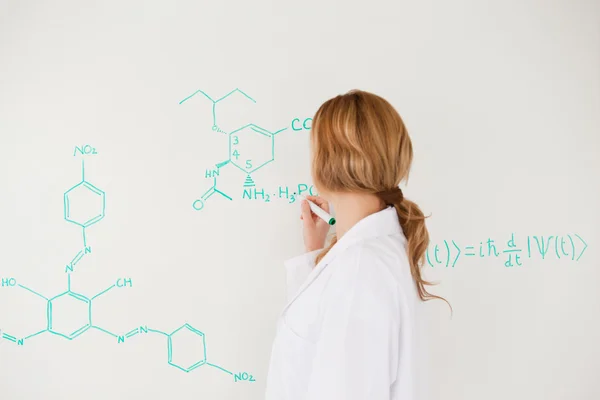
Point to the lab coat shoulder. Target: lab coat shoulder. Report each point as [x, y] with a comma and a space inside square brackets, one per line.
[363, 277]
[357, 352]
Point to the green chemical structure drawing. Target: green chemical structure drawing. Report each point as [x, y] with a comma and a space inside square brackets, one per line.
[250, 148]
[70, 314]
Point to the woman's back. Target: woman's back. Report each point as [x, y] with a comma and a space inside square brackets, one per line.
[347, 332]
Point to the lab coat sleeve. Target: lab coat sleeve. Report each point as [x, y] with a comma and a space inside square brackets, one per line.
[356, 356]
[297, 270]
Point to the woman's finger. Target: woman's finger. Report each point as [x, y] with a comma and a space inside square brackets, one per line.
[306, 212]
[317, 200]
[321, 202]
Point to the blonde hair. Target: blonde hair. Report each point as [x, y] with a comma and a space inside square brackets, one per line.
[360, 144]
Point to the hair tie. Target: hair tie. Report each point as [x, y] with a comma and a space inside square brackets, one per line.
[391, 196]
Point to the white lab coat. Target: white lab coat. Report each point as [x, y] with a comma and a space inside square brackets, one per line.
[347, 331]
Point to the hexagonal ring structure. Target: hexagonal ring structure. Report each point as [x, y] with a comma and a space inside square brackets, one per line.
[190, 350]
[84, 204]
[251, 148]
[69, 315]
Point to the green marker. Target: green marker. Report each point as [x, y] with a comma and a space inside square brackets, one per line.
[324, 215]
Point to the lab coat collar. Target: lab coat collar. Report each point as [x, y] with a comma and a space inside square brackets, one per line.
[382, 223]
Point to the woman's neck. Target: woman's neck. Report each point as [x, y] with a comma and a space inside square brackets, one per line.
[350, 208]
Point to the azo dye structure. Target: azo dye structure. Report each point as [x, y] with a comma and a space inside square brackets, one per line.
[70, 314]
[250, 149]
[568, 247]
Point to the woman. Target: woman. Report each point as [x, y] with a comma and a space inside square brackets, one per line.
[347, 331]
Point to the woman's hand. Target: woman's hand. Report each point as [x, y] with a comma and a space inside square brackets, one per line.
[315, 229]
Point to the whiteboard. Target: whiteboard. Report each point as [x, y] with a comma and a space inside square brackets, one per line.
[148, 150]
